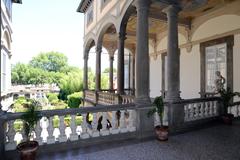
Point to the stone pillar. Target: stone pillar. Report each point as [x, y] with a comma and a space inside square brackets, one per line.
[142, 55]
[144, 125]
[175, 110]
[111, 59]
[133, 73]
[98, 67]
[2, 133]
[85, 74]
[173, 60]
[120, 63]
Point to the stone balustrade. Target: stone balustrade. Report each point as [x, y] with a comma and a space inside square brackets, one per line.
[59, 126]
[234, 109]
[90, 95]
[127, 99]
[106, 97]
[200, 109]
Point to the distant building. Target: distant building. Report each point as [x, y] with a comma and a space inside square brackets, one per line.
[6, 41]
[34, 91]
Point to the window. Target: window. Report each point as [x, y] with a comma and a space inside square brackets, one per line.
[3, 71]
[215, 61]
[89, 15]
[8, 4]
[216, 55]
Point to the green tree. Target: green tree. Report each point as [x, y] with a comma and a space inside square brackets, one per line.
[107, 70]
[20, 73]
[50, 61]
[52, 98]
[71, 83]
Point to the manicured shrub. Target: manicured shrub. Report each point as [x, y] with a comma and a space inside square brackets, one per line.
[74, 100]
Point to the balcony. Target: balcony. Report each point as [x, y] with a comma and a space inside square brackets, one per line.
[123, 131]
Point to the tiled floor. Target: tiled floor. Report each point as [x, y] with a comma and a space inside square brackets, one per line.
[215, 143]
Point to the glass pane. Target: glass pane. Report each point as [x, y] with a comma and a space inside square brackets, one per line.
[215, 61]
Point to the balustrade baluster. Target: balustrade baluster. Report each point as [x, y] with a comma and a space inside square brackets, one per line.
[38, 133]
[104, 131]
[73, 135]
[196, 112]
[84, 134]
[95, 132]
[186, 116]
[201, 109]
[50, 138]
[191, 106]
[215, 108]
[11, 144]
[114, 129]
[131, 121]
[211, 108]
[206, 109]
[122, 126]
[62, 137]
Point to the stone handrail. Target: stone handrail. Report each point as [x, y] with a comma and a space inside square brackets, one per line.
[115, 119]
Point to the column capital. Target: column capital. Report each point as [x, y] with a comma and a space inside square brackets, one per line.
[111, 57]
[172, 10]
[122, 35]
[142, 4]
[98, 48]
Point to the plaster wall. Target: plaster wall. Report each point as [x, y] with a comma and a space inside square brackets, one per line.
[236, 64]
[190, 73]
[190, 61]
[217, 25]
[155, 77]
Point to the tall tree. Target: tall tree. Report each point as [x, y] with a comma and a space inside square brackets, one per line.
[50, 61]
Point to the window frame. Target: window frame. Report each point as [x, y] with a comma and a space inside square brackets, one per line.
[90, 9]
[229, 41]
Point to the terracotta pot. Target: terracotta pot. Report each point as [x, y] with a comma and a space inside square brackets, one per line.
[28, 150]
[227, 119]
[162, 133]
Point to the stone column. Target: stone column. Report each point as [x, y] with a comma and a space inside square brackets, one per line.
[85, 74]
[173, 60]
[120, 63]
[144, 125]
[98, 67]
[111, 59]
[142, 56]
[133, 73]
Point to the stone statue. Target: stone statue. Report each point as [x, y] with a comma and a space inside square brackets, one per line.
[219, 82]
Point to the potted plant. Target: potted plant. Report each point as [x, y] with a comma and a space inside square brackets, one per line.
[28, 149]
[161, 130]
[226, 96]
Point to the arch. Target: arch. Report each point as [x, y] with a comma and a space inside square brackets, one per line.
[125, 13]
[106, 23]
[90, 42]
[7, 39]
[230, 21]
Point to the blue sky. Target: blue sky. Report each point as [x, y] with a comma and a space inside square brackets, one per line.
[47, 25]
